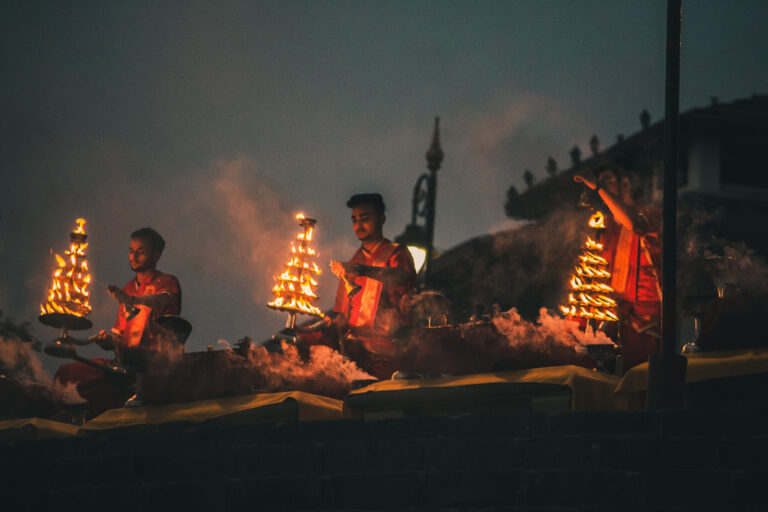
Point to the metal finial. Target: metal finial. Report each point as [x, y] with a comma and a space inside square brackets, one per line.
[435, 152]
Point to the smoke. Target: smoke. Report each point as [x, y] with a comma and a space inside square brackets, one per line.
[251, 369]
[67, 393]
[19, 361]
[548, 334]
[325, 371]
[711, 264]
[506, 341]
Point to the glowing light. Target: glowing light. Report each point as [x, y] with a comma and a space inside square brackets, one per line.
[294, 288]
[419, 256]
[597, 220]
[68, 292]
[591, 295]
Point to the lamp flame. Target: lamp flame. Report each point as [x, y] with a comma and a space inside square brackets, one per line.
[68, 292]
[591, 296]
[294, 288]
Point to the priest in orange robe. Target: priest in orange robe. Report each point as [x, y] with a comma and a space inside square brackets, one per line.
[371, 300]
[633, 250]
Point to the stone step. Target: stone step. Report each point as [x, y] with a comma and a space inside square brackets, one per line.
[211, 438]
[661, 490]
[589, 453]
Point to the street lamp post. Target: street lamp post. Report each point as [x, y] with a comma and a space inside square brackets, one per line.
[420, 238]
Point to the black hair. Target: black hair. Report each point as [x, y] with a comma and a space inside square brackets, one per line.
[155, 240]
[374, 200]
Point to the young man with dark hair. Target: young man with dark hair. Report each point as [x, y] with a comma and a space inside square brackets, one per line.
[633, 249]
[150, 295]
[372, 309]
[146, 297]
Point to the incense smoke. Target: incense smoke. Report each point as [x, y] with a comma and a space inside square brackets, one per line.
[252, 369]
[324, 372]
[504, 342]
[19, 361]
[547, 334]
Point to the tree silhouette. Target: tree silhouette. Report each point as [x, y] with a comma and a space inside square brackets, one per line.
[528, 178]
[645, 119]
[594, 145]
[551, 166]
[510, 203]
[575, 155]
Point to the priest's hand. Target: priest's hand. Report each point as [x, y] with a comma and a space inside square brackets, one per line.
[343, 271]
[586, 177]
[119, 295]
[104, 340]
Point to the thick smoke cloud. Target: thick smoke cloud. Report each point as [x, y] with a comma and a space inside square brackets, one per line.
[20, 362]
[505, 341]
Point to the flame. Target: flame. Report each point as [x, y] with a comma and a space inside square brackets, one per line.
[590, 295]
[68, 292]
[597, 220]
[294, 288]
[592, 245]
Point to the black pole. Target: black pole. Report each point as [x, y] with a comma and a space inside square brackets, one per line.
[671, 131]
[434, 159]
[666, 371]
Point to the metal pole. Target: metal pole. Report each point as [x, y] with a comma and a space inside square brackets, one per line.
[671, 131]
[666, 371]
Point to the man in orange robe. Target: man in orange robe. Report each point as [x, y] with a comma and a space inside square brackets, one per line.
[632, 247]
[370, 310]
[142, 301]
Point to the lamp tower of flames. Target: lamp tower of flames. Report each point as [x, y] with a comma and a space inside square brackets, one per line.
[591, 295]
[294, 291]
[67, 305]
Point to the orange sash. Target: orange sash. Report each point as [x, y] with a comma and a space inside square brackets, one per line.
[371, 292]
[622, 261]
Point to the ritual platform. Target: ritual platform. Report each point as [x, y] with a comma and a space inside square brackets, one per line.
[548, 389]
[28, 429]
[717, 379]
[282, 407]
[547, 439]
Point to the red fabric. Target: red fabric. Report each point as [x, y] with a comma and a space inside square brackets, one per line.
[141, 330]
[640, 299]
[644, 265]
[369, 343]
[107, 391]
[388, 317]
[101, 390]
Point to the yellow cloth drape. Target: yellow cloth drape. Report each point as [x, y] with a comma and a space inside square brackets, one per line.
[591, 390]
[44, 429]
[704, 366]
[310, 408]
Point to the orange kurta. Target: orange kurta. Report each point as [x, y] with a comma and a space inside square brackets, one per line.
[375, 309]
[141, 329]
[106, 391]
[375, 312]
[635, 266]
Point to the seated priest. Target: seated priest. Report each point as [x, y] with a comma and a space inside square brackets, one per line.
[371, 299]
[148, 296]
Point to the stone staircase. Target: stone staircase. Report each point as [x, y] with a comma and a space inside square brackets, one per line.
[598, 461]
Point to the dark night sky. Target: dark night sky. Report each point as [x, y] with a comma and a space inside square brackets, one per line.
[215, 122]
